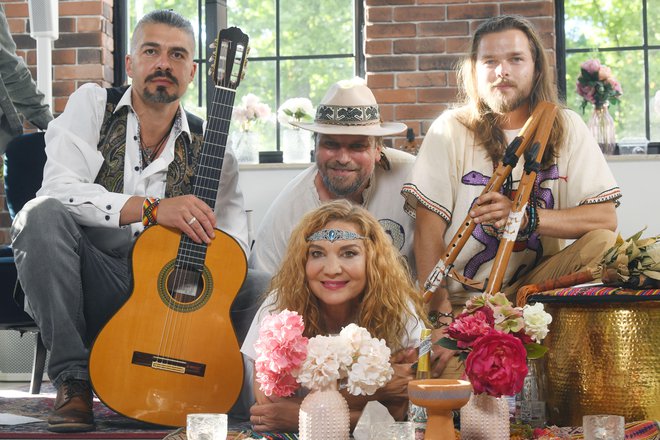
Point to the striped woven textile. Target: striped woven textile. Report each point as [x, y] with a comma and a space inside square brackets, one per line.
[600, 290]
[644, 430]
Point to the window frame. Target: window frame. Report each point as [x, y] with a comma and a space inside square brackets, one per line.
[562, 52]
[215, 16]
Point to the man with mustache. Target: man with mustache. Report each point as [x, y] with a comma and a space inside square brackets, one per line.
[351, 163]
[119, 160]
[503, 77]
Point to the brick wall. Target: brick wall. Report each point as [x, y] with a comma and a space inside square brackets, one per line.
[412, 47]
[82, 53]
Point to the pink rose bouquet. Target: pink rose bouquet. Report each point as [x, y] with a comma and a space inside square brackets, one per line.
[281, 350]
[250, 111]
[597, 85]
[495, 339]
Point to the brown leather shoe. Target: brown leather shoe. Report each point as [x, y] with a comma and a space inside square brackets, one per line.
[72, 411]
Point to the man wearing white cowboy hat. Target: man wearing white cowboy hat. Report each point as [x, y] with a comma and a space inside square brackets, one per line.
[351, 163]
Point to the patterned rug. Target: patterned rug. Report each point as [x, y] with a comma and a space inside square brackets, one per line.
[109, 425]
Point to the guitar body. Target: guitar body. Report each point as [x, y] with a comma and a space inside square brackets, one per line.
[164, 354]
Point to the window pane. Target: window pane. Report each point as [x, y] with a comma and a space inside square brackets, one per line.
[654, 89]
[138, 8]
[260, 81]
[604, 23]
[190, 100]
[257, 19]
[312, 78]
[653, 13]
[627, 67]
[316, 27]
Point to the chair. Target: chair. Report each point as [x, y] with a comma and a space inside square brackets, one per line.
[24, 163]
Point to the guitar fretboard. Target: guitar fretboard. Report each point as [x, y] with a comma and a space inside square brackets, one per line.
[191, 255]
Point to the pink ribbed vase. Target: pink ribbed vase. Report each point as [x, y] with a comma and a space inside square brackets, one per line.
[324, 415]
[485, 418]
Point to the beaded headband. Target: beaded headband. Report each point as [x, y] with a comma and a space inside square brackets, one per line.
[333, 235]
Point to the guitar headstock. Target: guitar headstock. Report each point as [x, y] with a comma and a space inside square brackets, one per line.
[230, 58]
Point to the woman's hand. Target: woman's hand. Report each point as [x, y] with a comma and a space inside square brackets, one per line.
[280, 415]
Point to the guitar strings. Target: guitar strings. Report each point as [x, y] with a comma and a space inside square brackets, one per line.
[172, 346]
[187, 249]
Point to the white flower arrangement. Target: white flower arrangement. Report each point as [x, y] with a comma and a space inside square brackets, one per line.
[295, 110]
[536, 321]
[250, 111]
[353, 354]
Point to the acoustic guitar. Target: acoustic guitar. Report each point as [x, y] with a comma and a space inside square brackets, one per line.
[170, 350]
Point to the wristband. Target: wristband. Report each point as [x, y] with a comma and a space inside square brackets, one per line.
[150, 211]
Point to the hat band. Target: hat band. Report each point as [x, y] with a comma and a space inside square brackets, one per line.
[341, 115]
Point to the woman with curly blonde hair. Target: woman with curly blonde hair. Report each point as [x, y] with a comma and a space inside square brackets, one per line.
[341, 268]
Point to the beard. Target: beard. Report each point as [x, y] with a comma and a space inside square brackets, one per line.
[500, 103]
[343, 186]
[160, 95]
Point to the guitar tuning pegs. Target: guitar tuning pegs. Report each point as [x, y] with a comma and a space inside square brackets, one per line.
[213, 44]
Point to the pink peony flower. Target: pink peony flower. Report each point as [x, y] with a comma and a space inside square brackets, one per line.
[281, 350]
[587, 92]
[497, 364]
[591, 66]
[467, 328]
[604, 73]
[615, 85]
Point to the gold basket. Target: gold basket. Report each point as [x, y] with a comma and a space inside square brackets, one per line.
[603, 358]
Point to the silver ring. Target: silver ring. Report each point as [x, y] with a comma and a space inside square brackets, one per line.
[192, 220]
[259, 421]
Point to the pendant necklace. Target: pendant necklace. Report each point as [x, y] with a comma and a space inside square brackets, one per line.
[149, 153]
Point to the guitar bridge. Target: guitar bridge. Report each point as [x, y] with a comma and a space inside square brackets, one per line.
[169, 364]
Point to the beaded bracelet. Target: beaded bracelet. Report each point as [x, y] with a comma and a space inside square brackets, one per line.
[434, 317]
[150, 211]
[532, 220]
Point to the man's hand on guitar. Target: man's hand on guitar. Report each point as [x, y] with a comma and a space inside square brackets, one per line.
[190, 215]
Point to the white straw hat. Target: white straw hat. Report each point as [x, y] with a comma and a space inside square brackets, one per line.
[350, 107]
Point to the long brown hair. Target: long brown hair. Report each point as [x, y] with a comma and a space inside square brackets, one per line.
[389, 298]
[475, 113]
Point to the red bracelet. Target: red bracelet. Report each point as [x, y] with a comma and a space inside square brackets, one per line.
[150, 211]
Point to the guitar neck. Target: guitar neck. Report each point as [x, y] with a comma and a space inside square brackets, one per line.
[207, 178]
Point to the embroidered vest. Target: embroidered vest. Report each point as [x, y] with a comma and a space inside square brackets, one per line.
[112, 145]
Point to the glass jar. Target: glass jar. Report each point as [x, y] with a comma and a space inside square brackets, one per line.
[530, 402]
[601, 125]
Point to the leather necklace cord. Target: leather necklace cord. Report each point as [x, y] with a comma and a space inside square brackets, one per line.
[149, 154]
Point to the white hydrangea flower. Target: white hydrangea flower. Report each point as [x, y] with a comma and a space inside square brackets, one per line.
[295, 109]
[353, 354]
[536, 321]
[372, 369]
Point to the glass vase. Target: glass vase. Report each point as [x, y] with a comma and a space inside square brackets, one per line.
[296, 145]
[601, 125]
[246, 147]
[485, 418]
[530, 402]
[324, 415]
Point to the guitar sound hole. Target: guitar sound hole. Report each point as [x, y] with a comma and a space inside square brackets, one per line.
[185, 285]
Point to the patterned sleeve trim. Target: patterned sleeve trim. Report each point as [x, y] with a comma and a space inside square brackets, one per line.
[409, 190]
[612, 194]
